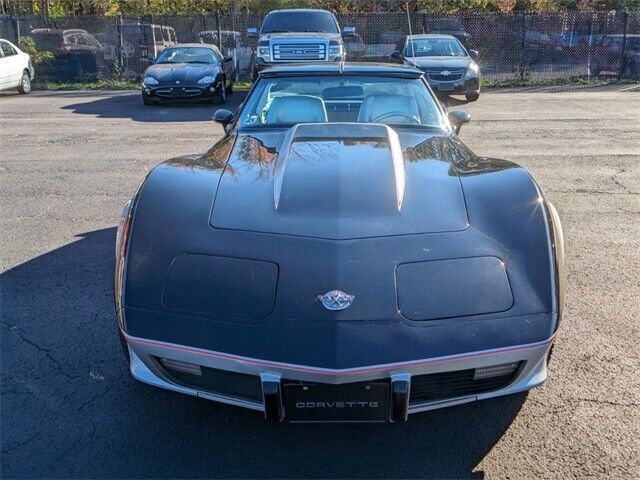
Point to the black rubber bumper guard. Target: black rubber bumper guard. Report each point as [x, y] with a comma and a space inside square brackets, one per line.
[273, 405]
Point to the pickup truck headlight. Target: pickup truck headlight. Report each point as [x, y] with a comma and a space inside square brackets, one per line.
[206, 80]
[472, 71]
[150, 81]
[336, 49]
[263, 51]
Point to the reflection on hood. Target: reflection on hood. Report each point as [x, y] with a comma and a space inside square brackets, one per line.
[181, 72]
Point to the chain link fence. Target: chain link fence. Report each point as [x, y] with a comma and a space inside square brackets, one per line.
[512, 46]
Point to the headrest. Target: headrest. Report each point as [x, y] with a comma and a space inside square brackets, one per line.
[296, 109]
[375, 106]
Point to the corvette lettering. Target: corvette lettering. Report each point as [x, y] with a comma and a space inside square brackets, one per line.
[337, 404]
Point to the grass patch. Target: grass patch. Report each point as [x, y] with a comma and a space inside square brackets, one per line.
[552, 82]
[84, 85]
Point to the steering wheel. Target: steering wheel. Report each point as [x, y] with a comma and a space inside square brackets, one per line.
[412, 118]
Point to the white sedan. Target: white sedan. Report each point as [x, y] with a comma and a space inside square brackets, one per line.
[16, 69]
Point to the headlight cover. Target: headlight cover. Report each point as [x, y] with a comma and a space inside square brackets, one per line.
[335, 50]
[263, 51]
[150, 81]
[472, 70]
[206, 80]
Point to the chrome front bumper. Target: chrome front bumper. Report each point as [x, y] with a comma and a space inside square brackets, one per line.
[146, 369]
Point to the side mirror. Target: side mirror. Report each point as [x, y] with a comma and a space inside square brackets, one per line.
[253, 32]
[458, 118]
[228, 59]
[474, 54]
[348, 31]
[223, 117]
[396, 55]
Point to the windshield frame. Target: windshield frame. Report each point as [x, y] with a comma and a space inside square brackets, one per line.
[333, 18]
[453, 39]
[214, 53]
[235, 126]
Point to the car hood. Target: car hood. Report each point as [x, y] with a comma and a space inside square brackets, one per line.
[181, 72]
[439, 62]
[341, 181]
[301, 35]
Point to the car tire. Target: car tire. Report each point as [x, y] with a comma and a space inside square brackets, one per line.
[125, 347]
[220, 95]
[147, 101]
[472, 97]
[634, 71]
[25, 83]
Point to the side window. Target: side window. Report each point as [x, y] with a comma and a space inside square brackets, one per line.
[157, 35]
[217, 54]
[70, 39]
[7, 49]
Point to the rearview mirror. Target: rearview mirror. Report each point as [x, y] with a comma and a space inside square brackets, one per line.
[474, 54]
[348, 31]
[253, 32]
[223, 117]
[458, 118]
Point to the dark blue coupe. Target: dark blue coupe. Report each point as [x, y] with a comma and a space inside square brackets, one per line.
[339, 255]
[196, 72]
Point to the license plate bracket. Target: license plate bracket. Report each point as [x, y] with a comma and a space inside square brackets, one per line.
[353, 402]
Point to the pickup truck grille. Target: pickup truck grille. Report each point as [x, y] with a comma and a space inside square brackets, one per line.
[444, 74]
[301, 52]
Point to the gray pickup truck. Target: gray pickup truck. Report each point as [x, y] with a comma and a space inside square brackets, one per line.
[299, 35]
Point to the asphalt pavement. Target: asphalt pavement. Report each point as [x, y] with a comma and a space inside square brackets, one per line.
[69, 408]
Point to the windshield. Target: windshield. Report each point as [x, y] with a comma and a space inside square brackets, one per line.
[344, 98]
[279, 22]
[187, 55]
[434, 47]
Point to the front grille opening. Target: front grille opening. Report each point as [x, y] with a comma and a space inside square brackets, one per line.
[211, 380]
[440, 386]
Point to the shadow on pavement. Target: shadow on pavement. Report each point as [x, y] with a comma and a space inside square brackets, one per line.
[456, 101]
[70, 408]
[129, 105]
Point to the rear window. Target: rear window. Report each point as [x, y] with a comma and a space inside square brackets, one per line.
[323, 22]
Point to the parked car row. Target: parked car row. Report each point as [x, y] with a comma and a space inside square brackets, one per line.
[293, 36]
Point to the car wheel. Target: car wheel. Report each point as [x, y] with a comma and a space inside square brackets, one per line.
[220, 96]
[634, 71]
[472, 97]
[25, 83]
[125, 347]
[147, 101]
